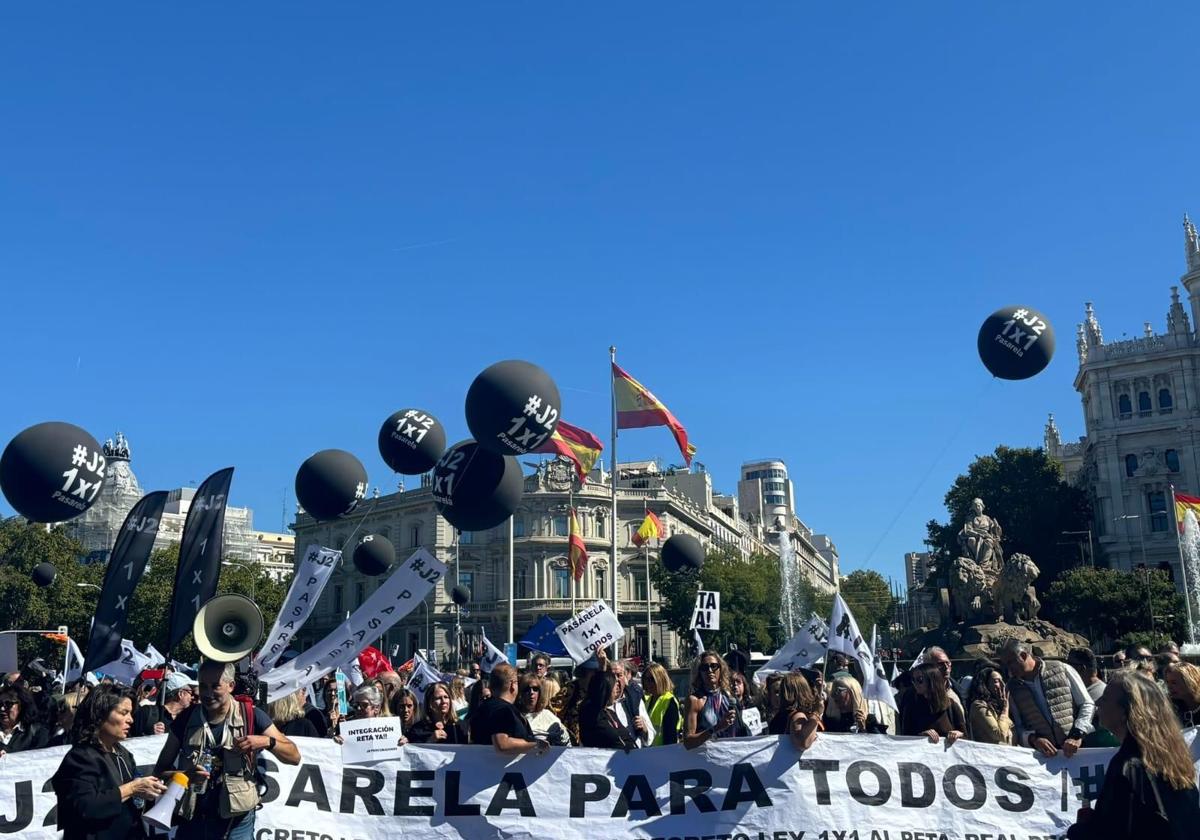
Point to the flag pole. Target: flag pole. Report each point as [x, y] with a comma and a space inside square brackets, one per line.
[649, 625]
[511, 580]
[1187, 592]
[570, 518]
[612, 388]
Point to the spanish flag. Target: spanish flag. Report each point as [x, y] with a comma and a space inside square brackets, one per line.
[576, 551]
[1182, 505]
[637, 408]
[578, 445]
[651, 529]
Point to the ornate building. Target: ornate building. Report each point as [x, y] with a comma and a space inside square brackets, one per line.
[542, 584]
[1141, 408]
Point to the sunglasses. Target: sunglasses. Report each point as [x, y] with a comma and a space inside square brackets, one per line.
[709, 667]
[532, 689]
[364, 706]
[5, 705]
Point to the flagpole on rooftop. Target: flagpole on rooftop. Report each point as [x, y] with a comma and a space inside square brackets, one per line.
[1187, 593]
[616, 524]
[570, 521]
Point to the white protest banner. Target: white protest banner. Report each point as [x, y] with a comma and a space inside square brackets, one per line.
[845, 636]
[752, 720]
[844, 786]
[492, 655]
[707, 613]
[877, 687]
[801, 651]
[153, 657]
[74, 662]
[592, 629]
[126, 668]
[312, 573]
[368, 740]
[422, 677]
[8, 653]
[395, 598]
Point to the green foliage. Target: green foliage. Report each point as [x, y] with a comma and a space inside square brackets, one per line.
[1024, 490]
[1110, 605]
[25, 606]
[750, 598]
[869, 597]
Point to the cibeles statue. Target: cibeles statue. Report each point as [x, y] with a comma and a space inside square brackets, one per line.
[980, 539]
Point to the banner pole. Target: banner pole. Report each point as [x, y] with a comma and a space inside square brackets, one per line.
[1187, 592]
[511, 580]
[570, 517]
[649, 625]
[612, 388]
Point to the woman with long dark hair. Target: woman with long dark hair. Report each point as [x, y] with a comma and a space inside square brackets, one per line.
[598, 723]
[1150, 786]
[987, 708]
[799, 711]
[96, 783]
[20, 728]
[930, 711]
[711, 710]
[439, 724]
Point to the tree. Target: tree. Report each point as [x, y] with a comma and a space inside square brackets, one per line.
[750, 599]
[1024, 491]
[869, 597]
[1111, 606]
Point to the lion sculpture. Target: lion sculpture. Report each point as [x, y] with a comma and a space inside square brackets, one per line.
[1016, 597]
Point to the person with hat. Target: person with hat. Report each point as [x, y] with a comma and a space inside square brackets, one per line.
[180, 693]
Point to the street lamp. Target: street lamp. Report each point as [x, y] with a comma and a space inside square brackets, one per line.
[1142, 537]
[253, 577]
[89, 585]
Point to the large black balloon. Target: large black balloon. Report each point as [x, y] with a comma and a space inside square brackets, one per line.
[476, 489]
[1016, 342]
[460, 595]
[374, 554]
[682, 551]
[44, 574]
[52, 472]
[330, 484]
[411, 441]
[513, 407]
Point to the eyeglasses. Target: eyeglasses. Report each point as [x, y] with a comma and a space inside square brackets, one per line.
[5, 705]
[364, 706]
[709, 667]
[532, 689]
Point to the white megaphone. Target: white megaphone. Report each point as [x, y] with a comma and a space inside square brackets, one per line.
[160, 815]
[227, 628]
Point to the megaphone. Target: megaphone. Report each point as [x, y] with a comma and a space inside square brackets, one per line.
[227, 628]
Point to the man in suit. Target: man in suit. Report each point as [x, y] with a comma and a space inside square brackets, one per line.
[631, 705]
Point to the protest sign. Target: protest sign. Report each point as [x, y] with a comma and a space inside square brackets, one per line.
[707, 613]
[844, 786]
[752, 720]
[590, 630]
[801, 651]
[368, 740]
[308, 581]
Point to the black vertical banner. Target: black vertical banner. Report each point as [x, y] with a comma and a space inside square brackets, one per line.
[199, 554]
[126, 565]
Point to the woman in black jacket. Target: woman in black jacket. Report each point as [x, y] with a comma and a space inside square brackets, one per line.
[1150, 785]
[19, 726]
[598, 723]
[96, 783]
[439, 724]
[930, 710]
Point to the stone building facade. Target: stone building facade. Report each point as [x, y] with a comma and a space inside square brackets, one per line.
[542, 582]
[1141, 409]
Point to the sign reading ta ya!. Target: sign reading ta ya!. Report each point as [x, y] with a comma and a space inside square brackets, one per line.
[707, 615]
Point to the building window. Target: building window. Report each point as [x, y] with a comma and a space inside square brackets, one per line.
[519, 585]
[1144, 404]
[599, 526]
[1165, 403]
[518, 526]
[414, 536]
[560, 526]
[601, 584]
[1124, 407]
[338, 606]
[466, 538]
[1131, 465]
[562, 583]
[360, 593]
[1172, 458]
[1158, 510]
[639, 589]
[467, 579]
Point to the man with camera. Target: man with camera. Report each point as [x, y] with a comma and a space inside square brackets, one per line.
[216, 743]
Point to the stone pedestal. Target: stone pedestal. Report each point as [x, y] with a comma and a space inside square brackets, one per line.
[964, 641]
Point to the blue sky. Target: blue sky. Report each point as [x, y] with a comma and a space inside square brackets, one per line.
[243, 235]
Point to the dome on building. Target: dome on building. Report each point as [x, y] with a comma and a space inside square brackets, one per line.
[96, 529]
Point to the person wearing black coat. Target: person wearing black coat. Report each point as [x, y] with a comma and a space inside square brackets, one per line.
[96, 784]
[439, 724]
[598, 723]
[19, 726]
[1150, 785]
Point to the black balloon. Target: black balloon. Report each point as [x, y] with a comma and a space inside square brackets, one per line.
[44, 574]
[682, 551]
[52, 472]
[460, 595]
[411, 441]
[330, 484]
[475, 489]
[513, 407]
[1016, 342]
[374, 554]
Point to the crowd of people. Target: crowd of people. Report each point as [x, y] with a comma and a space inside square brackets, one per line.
[216, 735]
